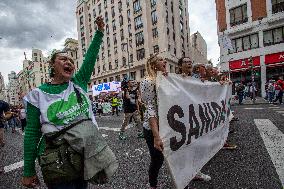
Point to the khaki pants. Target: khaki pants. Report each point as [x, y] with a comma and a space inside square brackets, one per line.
[136, 117]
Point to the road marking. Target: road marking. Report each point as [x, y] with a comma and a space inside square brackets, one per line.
[115, 129]
[273, 139]
[13, 166]
[280, 112]
[104, 135]
[254, 108]
[276, 107]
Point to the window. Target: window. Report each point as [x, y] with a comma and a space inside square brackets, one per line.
[81, 20]
[107, 29]
[105, 3]
[140, 54]
[138, 22]
[273, 36]
[238, 15]
[104, 67]
[245, 43]
[117, 78]
[142, 73]
[153, 3]
[112, 12]
[139, 37]
[115, 50]
[123, 61]
[114, 39]
[175, 51]
[100, 8]
[119, 6]
[181, 26]
[121, 35]
[129, 29]
[137, 6]
[154, 17]
[113, 25]
[133, 75]
[167, 17]
[131, 58]
[128, 15]
[116, 63]
[155, 33]
[99, 70]
[110, 66]
[108, 42]
[277, 6]
[106, 17]
[172, 6]
[156, 49]
[108, 53]
[120, 20]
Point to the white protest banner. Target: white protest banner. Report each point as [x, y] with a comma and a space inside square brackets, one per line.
[193, 123]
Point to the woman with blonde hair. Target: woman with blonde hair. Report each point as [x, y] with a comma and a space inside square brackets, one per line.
[151, 124]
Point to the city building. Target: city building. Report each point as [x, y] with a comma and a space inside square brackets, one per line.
[2, 88]
[198, 48]
[251, 29]
[71, 47]
[12, 89]
[134, 30]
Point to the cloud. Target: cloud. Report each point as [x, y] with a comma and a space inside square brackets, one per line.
[202, 18]
[27, 24]
[31, 23]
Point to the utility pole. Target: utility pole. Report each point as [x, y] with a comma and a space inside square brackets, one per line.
[253, 84]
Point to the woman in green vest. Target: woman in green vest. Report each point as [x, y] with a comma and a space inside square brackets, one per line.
[54, 105]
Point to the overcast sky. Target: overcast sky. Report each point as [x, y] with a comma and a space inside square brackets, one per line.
[45, 24]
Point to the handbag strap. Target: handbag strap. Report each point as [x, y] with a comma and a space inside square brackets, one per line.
[78, 95]
[62, 131]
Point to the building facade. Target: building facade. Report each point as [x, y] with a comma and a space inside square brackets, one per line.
[251, 29]
[198, 48]
[134, 30]
[2, 88]
[12, 89]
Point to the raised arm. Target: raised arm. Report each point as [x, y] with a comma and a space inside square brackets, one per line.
[82, 77]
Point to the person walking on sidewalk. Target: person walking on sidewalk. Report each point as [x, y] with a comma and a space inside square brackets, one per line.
[4, 115]
[270, 91]
[279, 88]
[240, 92]
[131, 109]
[114, 104]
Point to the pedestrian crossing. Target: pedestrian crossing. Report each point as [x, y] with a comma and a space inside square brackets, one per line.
[277, 108]
[273, 140]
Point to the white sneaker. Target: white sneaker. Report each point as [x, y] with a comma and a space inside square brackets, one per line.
[202, 177]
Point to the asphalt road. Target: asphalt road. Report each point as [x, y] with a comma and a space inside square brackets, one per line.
[249, 166]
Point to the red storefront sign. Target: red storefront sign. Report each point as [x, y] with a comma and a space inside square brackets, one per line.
[274, 58]
[243, 63]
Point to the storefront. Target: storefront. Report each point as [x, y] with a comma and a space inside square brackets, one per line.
[274, 65]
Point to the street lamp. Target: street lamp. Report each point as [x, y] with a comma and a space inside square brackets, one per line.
[123, 44]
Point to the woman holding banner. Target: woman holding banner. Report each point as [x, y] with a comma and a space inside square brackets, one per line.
[151, 123]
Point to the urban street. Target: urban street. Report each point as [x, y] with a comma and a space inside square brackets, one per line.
[257, 162]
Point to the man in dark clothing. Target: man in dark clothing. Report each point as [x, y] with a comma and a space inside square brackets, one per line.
[4, 114]
[240, 92]
[131, 109]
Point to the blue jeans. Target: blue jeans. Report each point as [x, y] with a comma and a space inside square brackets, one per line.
[270, 96]
[241, 96]
[76, 184]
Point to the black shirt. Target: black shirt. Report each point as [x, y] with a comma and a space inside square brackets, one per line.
[130, 105]
[4, 107]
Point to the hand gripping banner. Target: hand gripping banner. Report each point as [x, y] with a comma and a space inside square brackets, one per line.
[193, 123]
